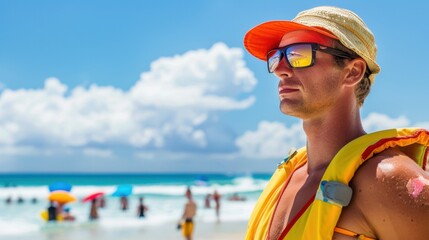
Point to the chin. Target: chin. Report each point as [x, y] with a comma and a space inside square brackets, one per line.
[291, 111]
[287, 111]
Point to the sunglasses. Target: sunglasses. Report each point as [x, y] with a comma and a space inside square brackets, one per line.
[300, 55]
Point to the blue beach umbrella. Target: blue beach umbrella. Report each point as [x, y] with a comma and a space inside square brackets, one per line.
[63, 186]
[202, 181]
[123, 190]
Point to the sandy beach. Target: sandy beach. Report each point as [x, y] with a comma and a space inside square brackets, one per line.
[99, 231]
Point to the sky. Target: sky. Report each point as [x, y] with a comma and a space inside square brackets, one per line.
[167, 86]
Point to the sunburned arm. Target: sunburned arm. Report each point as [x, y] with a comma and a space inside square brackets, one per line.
[394, 193]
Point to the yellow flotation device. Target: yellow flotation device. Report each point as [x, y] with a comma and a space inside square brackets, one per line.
[317, 220]
[45, 216]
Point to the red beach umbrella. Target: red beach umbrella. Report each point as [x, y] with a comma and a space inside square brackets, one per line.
[92, 196]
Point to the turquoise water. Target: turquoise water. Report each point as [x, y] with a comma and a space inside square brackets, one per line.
[163, 194]
[112, 179]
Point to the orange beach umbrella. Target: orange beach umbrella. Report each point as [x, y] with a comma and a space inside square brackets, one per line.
[61, 196]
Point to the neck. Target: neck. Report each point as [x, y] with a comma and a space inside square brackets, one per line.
[327, 135]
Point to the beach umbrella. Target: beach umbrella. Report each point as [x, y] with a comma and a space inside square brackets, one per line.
[60, 186]
[202, 181]
[92, 196]
[123, 190]
[61, 196]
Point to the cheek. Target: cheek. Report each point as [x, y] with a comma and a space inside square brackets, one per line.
[323, 86]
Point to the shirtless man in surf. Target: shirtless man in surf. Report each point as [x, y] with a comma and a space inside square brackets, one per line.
[189, 213]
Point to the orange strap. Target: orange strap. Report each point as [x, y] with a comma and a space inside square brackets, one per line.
[352, 234]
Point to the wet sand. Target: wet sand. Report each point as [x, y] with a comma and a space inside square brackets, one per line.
[99, 231]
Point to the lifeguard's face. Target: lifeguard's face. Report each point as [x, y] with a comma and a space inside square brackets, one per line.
[306, 92]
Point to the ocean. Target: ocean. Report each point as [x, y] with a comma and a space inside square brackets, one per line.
[163, 194]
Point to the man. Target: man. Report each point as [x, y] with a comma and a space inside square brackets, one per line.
[93, 210]
[52, 212]
[124, 203]
[345, 184]
[141, 208]
[216, 198]
[189, 212]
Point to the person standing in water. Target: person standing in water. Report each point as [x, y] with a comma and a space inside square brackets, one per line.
[93, 212]
[52, 212]
[141, 208]
[189, 213]
[124, 203]
[207, 200]
[216, 198]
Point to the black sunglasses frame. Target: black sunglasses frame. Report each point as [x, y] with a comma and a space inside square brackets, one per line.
[314, 47]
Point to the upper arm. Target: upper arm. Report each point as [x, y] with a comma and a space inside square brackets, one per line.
[395, 197]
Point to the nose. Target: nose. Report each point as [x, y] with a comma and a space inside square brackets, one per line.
[283, 69]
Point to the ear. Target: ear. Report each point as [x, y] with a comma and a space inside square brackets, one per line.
[355, 71]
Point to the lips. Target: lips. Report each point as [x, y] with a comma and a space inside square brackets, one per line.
[285, 90]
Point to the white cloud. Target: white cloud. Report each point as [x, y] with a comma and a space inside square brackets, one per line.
[201, 80]
[270, 140]
[146, 136]
[377, 121]
[98, 153]
[170, 107]
[54, 87]
[18, 151]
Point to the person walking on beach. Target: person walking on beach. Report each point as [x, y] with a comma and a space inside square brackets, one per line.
[346, 183]
[8, 200]
[141, 208]
[102, 202]
[216, 198]
[189, 212]
[207, 200]
[93, 211]
[124, 203]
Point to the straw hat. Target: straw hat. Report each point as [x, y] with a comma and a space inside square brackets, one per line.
[337, 23]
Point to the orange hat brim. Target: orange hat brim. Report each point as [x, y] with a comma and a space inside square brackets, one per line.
[266, 36]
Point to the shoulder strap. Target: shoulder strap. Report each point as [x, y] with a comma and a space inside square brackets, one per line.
[259, 221]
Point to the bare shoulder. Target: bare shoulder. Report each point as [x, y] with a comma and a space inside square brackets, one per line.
[191, 204]
[392, 192]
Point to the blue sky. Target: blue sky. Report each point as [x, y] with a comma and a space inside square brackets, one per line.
[166, 86]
